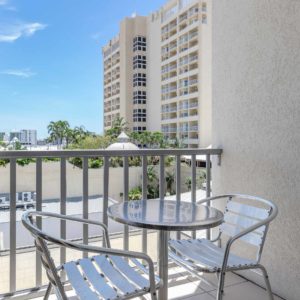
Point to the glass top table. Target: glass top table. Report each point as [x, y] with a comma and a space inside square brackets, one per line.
[165, 216]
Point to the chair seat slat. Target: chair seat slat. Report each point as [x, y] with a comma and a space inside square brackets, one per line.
[98, 282]
[114, 276]
[199, 251]
[191, 254]
[77, 281]
[129, 272]
[211, 249]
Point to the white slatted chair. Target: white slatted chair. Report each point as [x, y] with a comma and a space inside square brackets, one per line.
[110, 274]
[247, 219]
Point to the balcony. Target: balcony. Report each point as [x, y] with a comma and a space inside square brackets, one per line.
[61, 188]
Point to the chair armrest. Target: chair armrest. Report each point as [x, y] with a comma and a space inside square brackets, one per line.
[209, 199]
[244, 232]
[27, 222]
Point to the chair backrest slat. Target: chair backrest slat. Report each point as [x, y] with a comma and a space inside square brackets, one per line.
[247, 210]
[250, 238]
[243, 212]
[242, 222]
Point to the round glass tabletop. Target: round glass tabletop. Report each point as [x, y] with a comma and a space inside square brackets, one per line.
[165, 215]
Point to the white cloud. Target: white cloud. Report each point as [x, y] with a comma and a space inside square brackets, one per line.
[24, 73]
[12, 32]
[97, 35]
[5, 4]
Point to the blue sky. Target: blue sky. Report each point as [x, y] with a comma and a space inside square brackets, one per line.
[50, 59]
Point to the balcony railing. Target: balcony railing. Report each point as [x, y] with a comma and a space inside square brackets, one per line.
[63, 155]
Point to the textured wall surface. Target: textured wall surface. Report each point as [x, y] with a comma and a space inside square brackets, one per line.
[256, 119]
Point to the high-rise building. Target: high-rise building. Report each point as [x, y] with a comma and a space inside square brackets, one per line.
[28, 137]
[163, 69]
[125, 74]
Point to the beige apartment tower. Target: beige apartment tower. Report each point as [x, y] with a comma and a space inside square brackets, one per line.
[125, 74]
[168, 89]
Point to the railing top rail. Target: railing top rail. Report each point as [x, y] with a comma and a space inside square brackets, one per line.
[106, 153]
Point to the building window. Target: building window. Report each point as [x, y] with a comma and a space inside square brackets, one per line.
[204, 19]
[139, 43]
[139, 97]
[139, 128]
[204, 7]
[139, 62]
[139, 115]
[139, 79]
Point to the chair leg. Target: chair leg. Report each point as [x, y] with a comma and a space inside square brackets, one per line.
[48, 291]
[267, 281]
[220, 290]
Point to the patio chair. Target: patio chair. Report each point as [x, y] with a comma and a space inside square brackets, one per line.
[246, 219]
[110, 274]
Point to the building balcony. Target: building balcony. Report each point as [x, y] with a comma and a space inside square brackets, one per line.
[76, 191]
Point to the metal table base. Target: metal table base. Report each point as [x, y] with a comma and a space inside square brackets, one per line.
[163, 259]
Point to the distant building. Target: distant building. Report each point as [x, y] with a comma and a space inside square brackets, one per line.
[14, 134]
[42, 142]
[2, 136]
[28, 137]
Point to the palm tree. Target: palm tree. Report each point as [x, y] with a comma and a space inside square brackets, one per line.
[151, 174]
[118, 125]
[78, 133]
[58, 131]
[135, 137]
[157, 139]
[145, 138]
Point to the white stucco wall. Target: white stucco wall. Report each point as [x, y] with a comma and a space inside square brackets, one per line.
[51, 180]
[256, 119]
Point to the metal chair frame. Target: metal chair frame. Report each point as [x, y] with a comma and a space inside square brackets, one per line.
[55, 280]
[194, 269]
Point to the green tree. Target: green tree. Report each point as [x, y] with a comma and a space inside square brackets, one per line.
[170, 179]
[135, 193]
[78, 134]
[188, 183]
[153, 186]
[135, 137]
[145, 138]
[118, 125]
[157, 140]
[58, 131]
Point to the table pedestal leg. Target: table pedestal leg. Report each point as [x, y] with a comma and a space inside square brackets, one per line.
[162, 255]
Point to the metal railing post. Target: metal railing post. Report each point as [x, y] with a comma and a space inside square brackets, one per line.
[208, 188]
[63, 207]
[161, 177]
[85, 200]
[125, 198]
[105, 189]
[178, 186]
[193, 185]
[38, 199]
[12, 226]
[144, 197]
